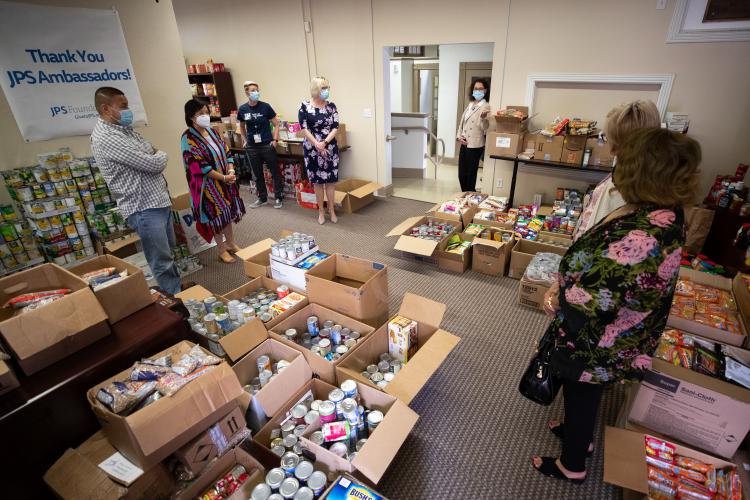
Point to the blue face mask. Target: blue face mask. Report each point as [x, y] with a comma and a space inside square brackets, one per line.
[254, 95]
[126, 117]
[478, 95]
[324, 94]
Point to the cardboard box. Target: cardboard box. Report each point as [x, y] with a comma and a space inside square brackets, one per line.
[698, 410]
[199, 452]
[546, 148]
[601, 153]
[123, 298]
[320, 366]
[625, 459]
[352, 286]
[264, 282]
[492, 257]
[256, 259]
[451, 261]
[312, 390]
[558, 239]
[354, 194]
[435, 345]
[412, 245]
[77, 475]
[707, 331]
[382, 445]
[347, 486]
[292, 276]
[741, 297]
[508, 226]
[267, 402]
[573, 149]
[219, 468]
[149, 435]
[511, 124]
[8, 380]
[183, 213]
[531, 294]
[504, 144]
[522, 253]
[48, 334]
[459, 220]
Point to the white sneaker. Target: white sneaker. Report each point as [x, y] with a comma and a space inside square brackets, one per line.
[258, 203]
[278, 204]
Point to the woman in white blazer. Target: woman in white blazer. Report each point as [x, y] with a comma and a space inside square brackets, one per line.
[471, 134]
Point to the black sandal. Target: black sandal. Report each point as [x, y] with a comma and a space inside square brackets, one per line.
[558, 432]
[550, 469]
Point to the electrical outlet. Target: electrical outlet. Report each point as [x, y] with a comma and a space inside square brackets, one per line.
[499, 183]
[661, 4]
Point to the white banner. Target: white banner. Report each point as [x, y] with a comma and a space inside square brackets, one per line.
[52, 60]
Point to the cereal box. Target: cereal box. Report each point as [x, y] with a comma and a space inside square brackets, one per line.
[402, 338]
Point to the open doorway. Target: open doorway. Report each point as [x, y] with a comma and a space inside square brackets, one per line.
[427, 89]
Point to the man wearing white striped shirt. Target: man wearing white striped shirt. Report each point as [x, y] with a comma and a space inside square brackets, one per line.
[133, 169]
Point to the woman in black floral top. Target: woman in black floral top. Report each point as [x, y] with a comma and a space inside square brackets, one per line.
[319, 119]
[616, 286]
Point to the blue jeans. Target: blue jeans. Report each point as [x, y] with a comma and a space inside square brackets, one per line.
[154, 227]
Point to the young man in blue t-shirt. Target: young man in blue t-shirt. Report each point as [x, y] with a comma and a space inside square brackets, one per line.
[255, 119]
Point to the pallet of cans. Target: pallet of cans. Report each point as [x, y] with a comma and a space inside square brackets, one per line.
[335, 424]
[390, 360]
[324, 337]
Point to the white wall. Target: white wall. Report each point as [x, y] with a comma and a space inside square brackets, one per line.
[401, 85]
[155, 51]
[451, 56]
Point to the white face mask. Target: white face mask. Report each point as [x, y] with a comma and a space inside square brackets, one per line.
[203, 121]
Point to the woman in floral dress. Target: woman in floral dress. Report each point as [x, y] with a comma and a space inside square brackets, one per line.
[319, 119]
[616, 286]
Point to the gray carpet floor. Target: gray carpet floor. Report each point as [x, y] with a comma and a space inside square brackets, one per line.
[476, 433]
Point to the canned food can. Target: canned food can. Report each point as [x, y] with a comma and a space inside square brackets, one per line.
[39, 191]
[395, 366]
[275, 250]
[298, 414]
[53, 174]
[371, 369]
[265, 317]
[59, 260]
[384, 366]
[70, 258]
[373, 420]
[376, 377]
[81, 228]
[339, 449]
[317, 482]
[223, 321]
[290, 460]
[56, 222]
[49, 189]
[350, 411]
[341, 350]
[336, 396]
[304, 493]
[277, 442]
[261, 492]
[209, 321]
[336, 431]
[317, 438]
[328, 324]
[265, 377]
[287, 428]
[312, 325]
[324, 333]
[303, 471]
[349, 387]
[40, 174]
[283, 291]
[24, 193]
[278, 450]
[264, 363]
[312, 418]
[289, 487]
[361, 444]
[324, 346]
[60, 189]
[299, 430]
[8, 212]
[327, 412]
[290, 440]
[274, 477]
[336, 335]
[208, 303]
[315, 405]
[71, 231]
[9, 232]
[291, 335]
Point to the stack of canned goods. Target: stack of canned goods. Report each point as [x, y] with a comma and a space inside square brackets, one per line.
[268, 304]
[18, 245]
[382, 372]
[294, 246]
[227, 484]
[296, 479]
[267, 371]
[340, 423]
[65, 237]
[432, 230]
[326, 339]
[105, 223]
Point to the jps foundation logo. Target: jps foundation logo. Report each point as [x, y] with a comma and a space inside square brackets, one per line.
[359, 493]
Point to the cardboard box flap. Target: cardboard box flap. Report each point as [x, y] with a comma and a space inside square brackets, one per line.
[489, 243]
[256, 249]
[417, 246]
[195, 401]
[403, 227]
[338, 197]
[365, 190]
[196, 292]
[244, 339]
[383, 445]
[415, 374]
[273, 401]
[422, 309]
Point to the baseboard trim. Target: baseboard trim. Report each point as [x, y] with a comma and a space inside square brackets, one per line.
[384, 192]
[407, 173]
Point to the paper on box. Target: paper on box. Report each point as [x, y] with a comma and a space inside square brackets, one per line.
[48, 334]
[149, 435]
[352, 286]
[435, 345]
[320, 366]
[121, 299]
[696, 415]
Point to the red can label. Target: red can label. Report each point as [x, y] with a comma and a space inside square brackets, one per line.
[335, 431]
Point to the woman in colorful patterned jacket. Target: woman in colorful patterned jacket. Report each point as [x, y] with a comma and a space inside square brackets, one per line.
[209, 168]
[616, 287]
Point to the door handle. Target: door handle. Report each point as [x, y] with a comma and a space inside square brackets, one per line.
[390, 138]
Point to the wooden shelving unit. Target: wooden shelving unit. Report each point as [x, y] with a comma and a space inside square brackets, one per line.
[222, 80]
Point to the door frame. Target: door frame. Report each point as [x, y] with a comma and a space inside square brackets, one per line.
[415, 82]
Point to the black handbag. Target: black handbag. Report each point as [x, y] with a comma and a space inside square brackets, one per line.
[538, 383]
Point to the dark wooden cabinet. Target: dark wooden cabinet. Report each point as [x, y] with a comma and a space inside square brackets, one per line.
[222, 81]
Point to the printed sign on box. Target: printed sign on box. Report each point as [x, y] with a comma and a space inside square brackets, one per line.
[52, 60]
